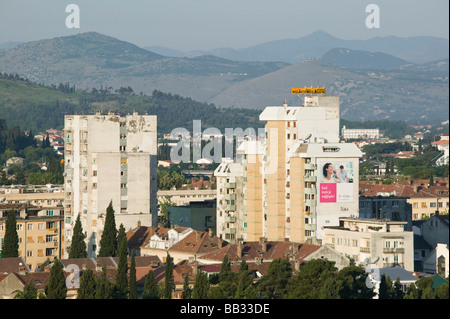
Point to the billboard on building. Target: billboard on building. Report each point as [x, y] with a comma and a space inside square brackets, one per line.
[335, 179]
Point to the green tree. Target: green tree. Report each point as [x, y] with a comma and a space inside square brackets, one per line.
[245, 280]
[201, 286]
[121, 284]
[56, 287]
[151, 290]
[133, 284]
[164, 217]
[273, 284]
[121, 234]
[103, 287]
[10, 247]
[78, 246]
[87, 288]
[227, 279]
[442, 292]
[385, 290]
[412, 292]
[310, 279]
[169, 285]
[352, 283]
[108, 242]
[28, 292]
[397, 290]
[187, 291]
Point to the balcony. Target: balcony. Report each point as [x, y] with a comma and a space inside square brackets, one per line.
[393, 264]
[230, 196]
[310, 191]
[310, 202]
[393, 250]
[229, 208]
[230, 219]
[310, 166]
[310, 178]
[364, 249]
[230, 185]
[230, 230]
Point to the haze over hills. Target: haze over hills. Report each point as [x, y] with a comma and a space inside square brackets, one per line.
[419, 49]
[370, 85]
[364, 95]
[91, 59]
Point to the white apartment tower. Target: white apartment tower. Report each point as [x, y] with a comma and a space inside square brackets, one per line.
[109, 158]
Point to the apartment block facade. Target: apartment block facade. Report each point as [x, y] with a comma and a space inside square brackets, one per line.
[109, 158]
[380, 243]
[288, 192]
[40, 232]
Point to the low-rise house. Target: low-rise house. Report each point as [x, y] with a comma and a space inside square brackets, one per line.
[375, 274]
[143, 238]
[435, 230]
[266, 251]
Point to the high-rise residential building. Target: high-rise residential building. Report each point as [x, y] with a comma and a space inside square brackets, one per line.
[301, 178]
[109, 158]
[230, 201]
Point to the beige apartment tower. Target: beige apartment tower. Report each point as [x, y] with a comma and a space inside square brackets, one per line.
[109, 158]
[287, 196]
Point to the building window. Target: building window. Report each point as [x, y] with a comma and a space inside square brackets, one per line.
[424, 205]
[30, 226]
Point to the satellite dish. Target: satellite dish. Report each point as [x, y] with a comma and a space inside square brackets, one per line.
[367, 261]
[375, 260]
[308, 137]
[2, 199]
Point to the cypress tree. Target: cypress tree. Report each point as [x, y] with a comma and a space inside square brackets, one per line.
[169, 284]
[56, 287]
[121, 284]
[108, 242]
[201, 286]
[10, 247]
[78, 247]
[151, 290]
[226, 279]
[244, 280]
[103, 286]
[132, 284]
[121, 234]
[87, 288]
[187, 291]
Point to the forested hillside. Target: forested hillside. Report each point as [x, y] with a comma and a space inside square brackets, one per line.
[38, 107]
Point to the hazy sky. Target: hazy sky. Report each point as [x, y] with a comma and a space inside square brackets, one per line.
[207, 24]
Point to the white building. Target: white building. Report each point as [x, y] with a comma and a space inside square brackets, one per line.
[382, 243]
[109, 158]
[230, 218]
[357, 133]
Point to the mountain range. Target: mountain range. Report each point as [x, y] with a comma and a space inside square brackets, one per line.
[372, 84]
[420, 49]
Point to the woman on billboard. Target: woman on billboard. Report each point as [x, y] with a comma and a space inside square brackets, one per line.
[330, 175]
